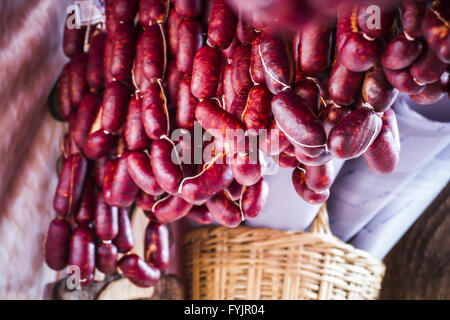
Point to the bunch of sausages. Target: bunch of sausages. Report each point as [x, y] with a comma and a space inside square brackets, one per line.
[158, 67]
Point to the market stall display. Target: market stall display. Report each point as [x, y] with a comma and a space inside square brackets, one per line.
[181, 107]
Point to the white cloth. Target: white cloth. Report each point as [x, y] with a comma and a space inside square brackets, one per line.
[382, 233]
[285, 209]
[358, 194]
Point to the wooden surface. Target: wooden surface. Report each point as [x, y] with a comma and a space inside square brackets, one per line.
[418, 267]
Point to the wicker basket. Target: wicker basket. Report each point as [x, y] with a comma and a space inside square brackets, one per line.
[259, 263]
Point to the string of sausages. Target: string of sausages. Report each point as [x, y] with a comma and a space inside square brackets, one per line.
[159, 71]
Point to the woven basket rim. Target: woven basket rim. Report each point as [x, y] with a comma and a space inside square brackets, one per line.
[321, 237]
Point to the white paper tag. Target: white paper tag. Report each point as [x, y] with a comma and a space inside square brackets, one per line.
[84, 12]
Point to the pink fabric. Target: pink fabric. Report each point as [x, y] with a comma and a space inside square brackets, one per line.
[31, 59]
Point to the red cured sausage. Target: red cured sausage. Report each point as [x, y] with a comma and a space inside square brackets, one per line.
[57, 244]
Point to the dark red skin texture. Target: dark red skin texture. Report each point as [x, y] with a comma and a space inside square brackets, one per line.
[186, 149]
[168, 174]
[401, 52]
[140, 81]
[244, 31]
[57, 244]
[172, 31]
[387, 15]
[82, 251]
[223, 64]
[228, 52]
[206, 73]
[237, 107]
[154, 111]
[151, 51]
[98, 144]
[310, 196]
[170, 209]
[87, 207]
[432, 93]
[85, 117]
[412, 13]
[124, 10]
[140, 170]
[106, 258]
[436, 33]
[124, 46]
[294, 44]
[108, 177]
[146, 201]
[111, 21]
[212, 117]
[106, 219]
[123, 188]
[68, 137]
[383, 155]
[285, 160]
[312, 161]
[258, 108]
[254, 199]
[258, 22]
[207, 10]
[114, 106]
[428, 68]
[186, 104]
[224, 210]
[245, 171]
[152, 11]
[189, 8]
[134, 132]
[190, 40]
[319, 178]
[73, 41]
[107, 59]
[344, 26]
[65, 107]
[278, 64]
[95, 75]
[150, 215]
[377, 90]
[275, 134]
[70, 185]
[124, 240]
[297, 120]
[403, 81]
[234, 190]
[69, 146]
[309, 91]
[200, 214]
[172, 82]
[214, 179]
[99, 171]
[78, 84]
[314, 49]
[256, 67]
[222, 25]
[357, 53]
[228, 91]
[354, 134]
[240, 74]
[331, 115]
[138, 271]
[280, 14]
[344, 85]
[156, 245]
